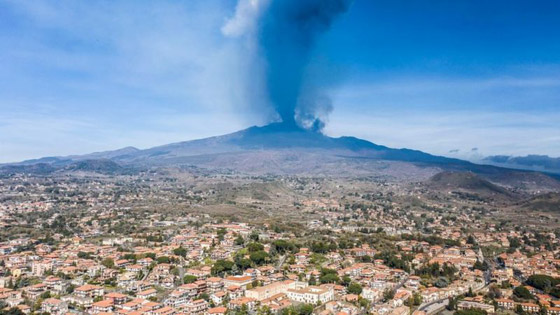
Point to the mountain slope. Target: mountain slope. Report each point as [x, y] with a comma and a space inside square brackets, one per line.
[469, 184]
[549, 202]
[277, 137]
[278, 149]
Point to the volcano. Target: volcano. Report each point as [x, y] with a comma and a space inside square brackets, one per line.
[281, 149]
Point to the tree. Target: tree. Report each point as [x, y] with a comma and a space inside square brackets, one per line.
[255, 247]
[283, 246]
[354, 288]
[480, 265]
[388, 294]
[239, 240]
[12, 311]
[305, 309]
[130, 256]
[108, 262]
[519, 310]
[494, 292]
[543, 282]
[522, 293]
[221, 232]
[302, 309]
[259, 257]
[189, 279]
[254, 236]
[163, 260]
[243, 310]
[452, 305]
[328, 276]
[441, 282]
[221, 266]
[364, 303]
[417, 298]
[180, 251]
[84, 255]
[472, 311]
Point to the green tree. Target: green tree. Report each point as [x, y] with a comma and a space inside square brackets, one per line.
[239, 240]
[255, 247]
[388, 294]
[346, 281]
[108, 262]
[221, 267]
[259, 257]
[180, 251]
[354, 288]
[189, 279]
[472, 311]
[163, 260]
[522, 293]
[328, 276]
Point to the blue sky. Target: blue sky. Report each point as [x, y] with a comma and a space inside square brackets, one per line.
[439, 76]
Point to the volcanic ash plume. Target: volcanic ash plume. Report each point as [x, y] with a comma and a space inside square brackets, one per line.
[281, 35]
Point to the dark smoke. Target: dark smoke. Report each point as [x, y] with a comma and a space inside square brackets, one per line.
[285, 33]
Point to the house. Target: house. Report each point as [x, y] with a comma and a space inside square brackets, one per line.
[104, 306]
[89, 290]
[177, 299]
[146, 294]
[54, 306]
[54, 284]
[467, 305]
[199, 306]
[530, 307]
[214, 284]
[166, 310]
[217, 311]
[240, 281]
[137, 268]
[506, 304]
[145, 262]
[218, 297]
[373, 295]
[267, 291]
[311, 294]
[117, 298]
[239, 302]
[33, 292]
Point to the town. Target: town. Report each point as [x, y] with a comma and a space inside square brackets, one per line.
[184, 242]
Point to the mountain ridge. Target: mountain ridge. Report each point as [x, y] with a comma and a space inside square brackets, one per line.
[286, 150]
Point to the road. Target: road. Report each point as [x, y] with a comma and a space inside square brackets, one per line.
[280, 262]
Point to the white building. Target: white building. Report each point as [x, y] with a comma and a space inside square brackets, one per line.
[311, 295]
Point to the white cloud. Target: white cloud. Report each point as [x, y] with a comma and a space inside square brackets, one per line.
[438, 132]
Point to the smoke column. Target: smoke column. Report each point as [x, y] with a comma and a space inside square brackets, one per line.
[283, 33]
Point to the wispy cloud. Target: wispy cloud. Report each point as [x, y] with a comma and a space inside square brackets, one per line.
[455, 133]
[75, 74]
[82, 76]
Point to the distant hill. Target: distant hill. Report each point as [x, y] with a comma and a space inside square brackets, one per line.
[468, 182]
[549, 202]
[38, 169]
[104, 166]
[278, 149]
[531, 162]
